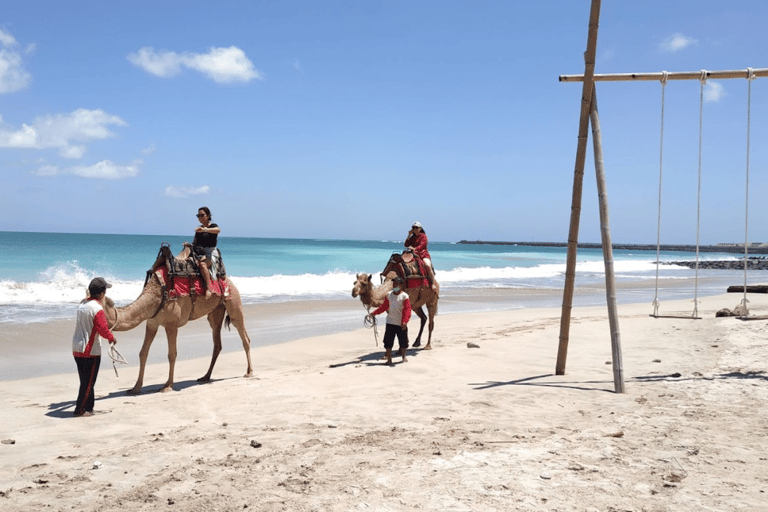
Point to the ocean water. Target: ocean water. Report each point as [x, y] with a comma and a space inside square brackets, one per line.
[43, 276]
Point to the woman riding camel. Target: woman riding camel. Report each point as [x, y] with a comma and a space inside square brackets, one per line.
[417, 242]
[203, 245]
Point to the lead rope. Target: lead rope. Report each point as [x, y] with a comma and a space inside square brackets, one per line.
[750, 77]
[116, 357]
[661, 167]
[703, 81]
[370, 322]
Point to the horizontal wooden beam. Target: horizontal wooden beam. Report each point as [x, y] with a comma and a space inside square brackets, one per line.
[678, 75]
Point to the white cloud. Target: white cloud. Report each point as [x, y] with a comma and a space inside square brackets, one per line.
[62, 131]
[714, 92]
[47, 170]
[164, 64]
[172, 191]
[13, 76]
[676, 42]
[222, 65]
[149, 150]
[104, 170]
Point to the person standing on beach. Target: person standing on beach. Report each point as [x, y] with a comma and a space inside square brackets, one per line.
[417, 242]
[91, 326]
[206, 235]
[398, 308]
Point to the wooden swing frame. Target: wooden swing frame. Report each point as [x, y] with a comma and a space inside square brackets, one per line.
[589, 116]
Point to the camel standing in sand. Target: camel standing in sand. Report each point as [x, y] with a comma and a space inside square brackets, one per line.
[372, 296]
[173, 314]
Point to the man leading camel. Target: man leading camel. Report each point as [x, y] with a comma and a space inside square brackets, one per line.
[398, 308]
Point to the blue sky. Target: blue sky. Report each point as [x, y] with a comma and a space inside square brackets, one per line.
[352, 119]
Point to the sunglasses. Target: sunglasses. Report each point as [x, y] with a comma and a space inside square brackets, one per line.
[200, 215]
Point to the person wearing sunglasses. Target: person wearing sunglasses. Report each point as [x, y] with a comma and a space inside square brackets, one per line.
[203, 245]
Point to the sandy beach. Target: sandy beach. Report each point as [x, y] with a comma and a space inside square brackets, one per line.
[325, 426]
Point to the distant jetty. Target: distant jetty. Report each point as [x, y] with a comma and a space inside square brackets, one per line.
[754, 248]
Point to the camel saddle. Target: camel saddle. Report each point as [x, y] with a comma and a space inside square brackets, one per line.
[411, 268]
[184, 275]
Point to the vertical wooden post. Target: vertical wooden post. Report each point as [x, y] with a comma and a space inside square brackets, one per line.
[578, 178]
[605, 232]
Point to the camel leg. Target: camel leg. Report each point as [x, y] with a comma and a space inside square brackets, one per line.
[149, 336]
[432, 309]
[170, 333]
[215, 319]
[235, 311]
[423, 320]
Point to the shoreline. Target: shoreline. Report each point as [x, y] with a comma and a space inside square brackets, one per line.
[760, 248]
[28, 350]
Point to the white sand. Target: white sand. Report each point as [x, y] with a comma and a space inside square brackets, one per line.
[326, 426]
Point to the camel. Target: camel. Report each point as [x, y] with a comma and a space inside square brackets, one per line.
[152, 306]
[372, 296]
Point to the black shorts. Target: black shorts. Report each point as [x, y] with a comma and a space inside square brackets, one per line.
[202, 252]
[390, 333]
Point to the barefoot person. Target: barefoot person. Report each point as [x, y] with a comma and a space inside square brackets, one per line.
[86, 343]
[203, 245]
[398, 308]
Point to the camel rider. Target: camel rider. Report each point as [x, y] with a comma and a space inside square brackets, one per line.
[417, 241]
[203, 245]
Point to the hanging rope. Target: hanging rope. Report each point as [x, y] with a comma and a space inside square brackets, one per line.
[750, 77]
[661, 167]
[703, 81]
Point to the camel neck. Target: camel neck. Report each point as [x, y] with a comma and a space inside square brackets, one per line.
[143, 308]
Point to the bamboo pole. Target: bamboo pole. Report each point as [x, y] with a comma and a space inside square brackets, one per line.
[578, 178]
[679, 75]
[605, 231]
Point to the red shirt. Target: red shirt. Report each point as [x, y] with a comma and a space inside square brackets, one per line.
[419, 245]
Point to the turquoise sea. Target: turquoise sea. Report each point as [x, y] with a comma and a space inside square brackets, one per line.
[43, 276]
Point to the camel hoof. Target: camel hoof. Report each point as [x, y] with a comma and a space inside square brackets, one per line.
[428, 347]
[134, 391]
[248, 375]
[204, 378]
[416, 344]
[166, 389]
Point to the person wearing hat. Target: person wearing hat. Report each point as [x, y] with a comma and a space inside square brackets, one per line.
[398, 308]
[417, 242]
[91, 326]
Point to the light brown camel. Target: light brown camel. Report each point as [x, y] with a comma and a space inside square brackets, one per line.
[372, 296]
[173, 314]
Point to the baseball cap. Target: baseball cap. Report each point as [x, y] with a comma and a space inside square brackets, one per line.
[99, 283]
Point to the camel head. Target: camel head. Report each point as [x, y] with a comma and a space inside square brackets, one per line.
[362, 285]
[369, 295]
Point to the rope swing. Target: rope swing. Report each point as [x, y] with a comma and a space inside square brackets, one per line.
[661, 168]
[750, 77]
[703, 81]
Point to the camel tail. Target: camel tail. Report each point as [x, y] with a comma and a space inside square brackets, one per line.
[228, 323]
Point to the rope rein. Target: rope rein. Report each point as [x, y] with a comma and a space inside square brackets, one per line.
[116, 357]
[370, 322]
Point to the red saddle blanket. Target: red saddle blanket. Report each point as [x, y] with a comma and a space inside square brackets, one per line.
[182, 286]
